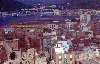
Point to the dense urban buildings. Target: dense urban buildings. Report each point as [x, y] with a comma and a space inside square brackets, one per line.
[45, 34]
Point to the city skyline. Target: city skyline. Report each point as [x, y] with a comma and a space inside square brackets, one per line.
[50, 32]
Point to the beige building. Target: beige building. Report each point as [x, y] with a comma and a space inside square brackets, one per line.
[65, 58]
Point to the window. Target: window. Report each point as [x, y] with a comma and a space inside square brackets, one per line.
[85, 18]
[12, 56]
[54, 25]
[99, 50]
[98, 30]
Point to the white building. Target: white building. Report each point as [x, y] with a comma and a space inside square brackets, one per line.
[48, 12]
[61, 57]
[63, 45]
[8, 30]
[98, 52]
[47, 34]
[53, 26]
[54, 33]
[85, 18]
[57, 12]
[70, 25]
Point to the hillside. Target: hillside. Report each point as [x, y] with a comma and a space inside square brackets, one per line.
[85, 4]
[70, 4]
[12, 5]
